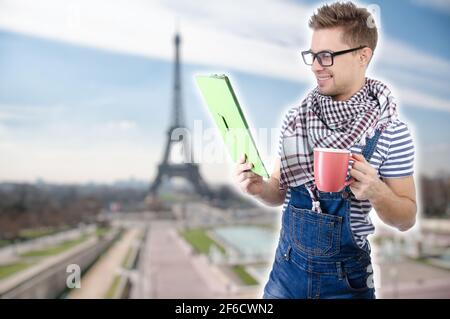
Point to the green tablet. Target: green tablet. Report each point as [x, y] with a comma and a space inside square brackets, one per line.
[230, 120]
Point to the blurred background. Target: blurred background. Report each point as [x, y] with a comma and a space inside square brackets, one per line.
[92, 176]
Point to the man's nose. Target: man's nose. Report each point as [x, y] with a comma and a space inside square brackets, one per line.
[315, 66]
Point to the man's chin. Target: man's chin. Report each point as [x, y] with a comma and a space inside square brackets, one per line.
[326, 92]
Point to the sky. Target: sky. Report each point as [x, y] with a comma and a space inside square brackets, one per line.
[86, 86]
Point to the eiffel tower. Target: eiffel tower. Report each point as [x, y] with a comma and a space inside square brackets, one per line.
[187, 170]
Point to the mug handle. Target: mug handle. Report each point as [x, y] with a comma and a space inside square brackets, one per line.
[351, 180]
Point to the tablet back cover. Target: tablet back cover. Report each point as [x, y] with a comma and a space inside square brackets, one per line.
[230, 120]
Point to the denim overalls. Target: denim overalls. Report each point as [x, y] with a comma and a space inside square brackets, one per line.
[317, 256]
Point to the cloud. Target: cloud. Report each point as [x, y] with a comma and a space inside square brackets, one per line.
[213, 33]
[57, 126]
[27, 161]
[423, 100]
[70, 163]
[3, 132]
[412, 79]
[277, 22]
[399, 55]
[435, 159]
[440, 147]
[28, 111]
[119, 126]
[437, 5]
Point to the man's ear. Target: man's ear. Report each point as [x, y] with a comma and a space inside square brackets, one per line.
[365, 56]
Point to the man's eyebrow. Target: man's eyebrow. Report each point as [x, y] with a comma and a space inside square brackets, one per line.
[327, 50]
[311, 50]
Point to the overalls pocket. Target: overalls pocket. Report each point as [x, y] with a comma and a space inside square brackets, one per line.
[357, 281]
[313, 233]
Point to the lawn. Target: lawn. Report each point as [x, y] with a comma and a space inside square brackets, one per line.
[127, 262]
[200, 240]
[102, 231]
[34, 233]
[55, 249]
[9, 269]
[245, 277]
[29, 234]
[112, 289]
[4, 242]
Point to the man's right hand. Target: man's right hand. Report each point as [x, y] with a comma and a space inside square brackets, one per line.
[247, 181]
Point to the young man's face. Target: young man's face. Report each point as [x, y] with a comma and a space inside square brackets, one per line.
[346, 74]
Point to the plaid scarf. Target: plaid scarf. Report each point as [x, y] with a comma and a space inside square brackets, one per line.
[322, 122]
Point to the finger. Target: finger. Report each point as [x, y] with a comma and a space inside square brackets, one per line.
[244, 167]
[242, 159]
[356, 186]
[246, 175]
[251, 179]
[246, 184]
[358, 175]
[349, 182]
[365, 168]
[241, 177]
[358, 157]
[257, 178]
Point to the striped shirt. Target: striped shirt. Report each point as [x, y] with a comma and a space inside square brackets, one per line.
[393, 157]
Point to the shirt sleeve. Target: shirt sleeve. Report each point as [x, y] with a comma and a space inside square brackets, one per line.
[399, 161]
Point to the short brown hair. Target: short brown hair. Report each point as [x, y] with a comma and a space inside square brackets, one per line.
[357, 23]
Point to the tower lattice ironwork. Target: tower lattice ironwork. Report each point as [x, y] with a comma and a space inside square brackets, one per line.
[187, 169]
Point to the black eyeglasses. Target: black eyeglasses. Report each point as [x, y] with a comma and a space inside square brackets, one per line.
[326, 57]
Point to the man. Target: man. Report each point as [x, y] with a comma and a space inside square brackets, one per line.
[323, 251]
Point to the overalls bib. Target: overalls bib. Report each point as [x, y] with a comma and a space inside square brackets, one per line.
[317, 256]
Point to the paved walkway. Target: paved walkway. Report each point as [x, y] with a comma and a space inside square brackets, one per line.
[411, 279]
[99, 278]
[168, 270]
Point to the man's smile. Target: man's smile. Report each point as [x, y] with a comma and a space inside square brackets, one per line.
[323, 78]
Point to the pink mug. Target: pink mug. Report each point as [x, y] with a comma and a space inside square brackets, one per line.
[330, 168]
